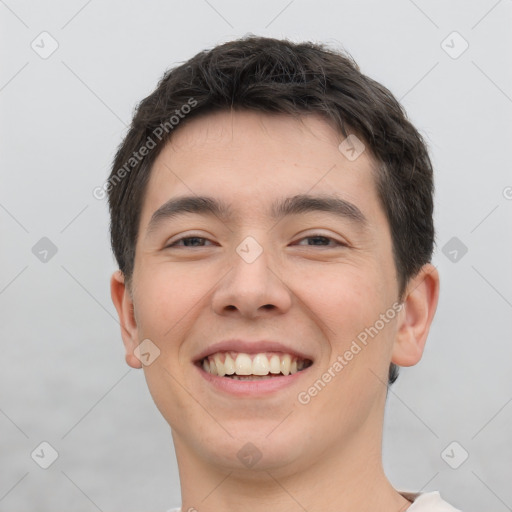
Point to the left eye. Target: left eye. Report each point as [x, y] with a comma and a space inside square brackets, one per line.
[191, 241]
[322, 238]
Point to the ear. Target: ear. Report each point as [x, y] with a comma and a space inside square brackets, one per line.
[124, 305]
[420, 305]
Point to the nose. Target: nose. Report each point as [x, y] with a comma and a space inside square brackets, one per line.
[253, 287]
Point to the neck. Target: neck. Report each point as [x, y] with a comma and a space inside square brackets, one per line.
[348, 476]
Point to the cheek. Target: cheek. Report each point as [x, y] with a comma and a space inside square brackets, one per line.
[350, 304]
[344, 298]
[166, 299]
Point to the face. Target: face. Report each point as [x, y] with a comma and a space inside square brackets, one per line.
[306, 283]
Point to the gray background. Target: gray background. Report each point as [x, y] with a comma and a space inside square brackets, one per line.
[63, 378]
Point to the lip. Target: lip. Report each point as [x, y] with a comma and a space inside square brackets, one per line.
[245, 388]
[250, 347]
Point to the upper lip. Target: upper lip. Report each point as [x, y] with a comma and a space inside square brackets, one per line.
[250, 347]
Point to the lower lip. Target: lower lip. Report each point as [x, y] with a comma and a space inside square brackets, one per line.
[251, 387]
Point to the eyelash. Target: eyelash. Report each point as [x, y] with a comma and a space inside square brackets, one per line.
[340, 244]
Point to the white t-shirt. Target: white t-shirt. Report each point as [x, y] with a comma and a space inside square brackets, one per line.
[426, 502]
[422, 502]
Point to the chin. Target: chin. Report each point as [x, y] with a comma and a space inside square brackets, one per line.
[255, 451]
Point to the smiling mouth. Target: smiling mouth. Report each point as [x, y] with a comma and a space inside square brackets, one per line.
[243, 366]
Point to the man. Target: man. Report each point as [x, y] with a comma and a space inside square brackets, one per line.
[271, 215]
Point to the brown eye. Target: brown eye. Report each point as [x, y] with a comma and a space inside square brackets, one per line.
[321, 239]
[188, 241]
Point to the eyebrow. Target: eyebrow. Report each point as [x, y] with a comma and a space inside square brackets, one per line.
[298, 204]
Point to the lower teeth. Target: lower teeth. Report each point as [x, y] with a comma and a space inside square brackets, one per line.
[253, 377]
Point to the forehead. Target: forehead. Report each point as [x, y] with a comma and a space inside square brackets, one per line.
[251, 160]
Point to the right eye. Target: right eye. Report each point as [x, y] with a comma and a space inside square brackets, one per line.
[186, 240]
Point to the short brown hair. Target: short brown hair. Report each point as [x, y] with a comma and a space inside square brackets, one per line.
[279, 76]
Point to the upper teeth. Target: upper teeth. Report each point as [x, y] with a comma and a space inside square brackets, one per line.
[252, 364]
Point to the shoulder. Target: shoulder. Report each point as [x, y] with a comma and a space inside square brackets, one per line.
[428, 502]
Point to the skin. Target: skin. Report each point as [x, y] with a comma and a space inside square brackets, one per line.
[325, 455]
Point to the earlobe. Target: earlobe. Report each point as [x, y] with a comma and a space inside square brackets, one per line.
[124, 306]
[414, 322]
